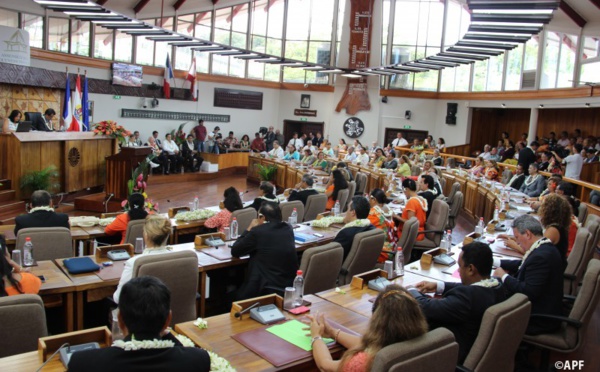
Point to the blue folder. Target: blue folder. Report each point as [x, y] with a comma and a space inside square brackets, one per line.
[80, 265]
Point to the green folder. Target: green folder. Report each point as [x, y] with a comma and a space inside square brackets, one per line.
[292, 332]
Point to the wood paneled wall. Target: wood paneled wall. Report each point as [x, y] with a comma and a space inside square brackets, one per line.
[28, 99]
[489, 123]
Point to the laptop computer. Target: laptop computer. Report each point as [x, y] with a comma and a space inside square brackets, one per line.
[24, 126]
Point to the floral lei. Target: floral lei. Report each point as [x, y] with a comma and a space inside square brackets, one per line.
[421, 200]
[35, 209]
[381, 211]
[535, 246]
[487, 283]
[358, 223]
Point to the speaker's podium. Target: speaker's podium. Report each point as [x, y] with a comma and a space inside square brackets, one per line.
[119, 168]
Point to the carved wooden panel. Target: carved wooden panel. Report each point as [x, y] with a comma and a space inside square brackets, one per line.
[28, 99]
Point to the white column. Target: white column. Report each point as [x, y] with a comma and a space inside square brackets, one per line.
[533, 122]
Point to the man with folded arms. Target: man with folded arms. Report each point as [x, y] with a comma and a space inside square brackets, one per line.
[462, 305]
[538, 275]
[273, 259]
[356, 221]
[144, 315]
[303, 190]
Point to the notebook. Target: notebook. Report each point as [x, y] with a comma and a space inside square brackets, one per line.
[80, 265]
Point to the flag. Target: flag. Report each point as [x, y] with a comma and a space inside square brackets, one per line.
[168, 78]
[77, 118]
[191, 77]
[84, 105]
[67, 115]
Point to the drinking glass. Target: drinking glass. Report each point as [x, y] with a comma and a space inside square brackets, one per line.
[17, 257]
[139, 245]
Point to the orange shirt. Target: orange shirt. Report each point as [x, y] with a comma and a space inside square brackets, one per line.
[572, 234]
[30, 284]
[119, 225]
[330, 200]
[414, 205]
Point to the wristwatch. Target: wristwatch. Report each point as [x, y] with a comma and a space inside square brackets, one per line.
[315, 339]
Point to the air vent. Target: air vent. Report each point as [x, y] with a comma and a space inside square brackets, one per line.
[528, 79]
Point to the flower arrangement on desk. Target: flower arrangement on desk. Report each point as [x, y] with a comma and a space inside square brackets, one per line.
[112, 129]
[137, 184]
[199, 214]
[217, 363]
[326, 221]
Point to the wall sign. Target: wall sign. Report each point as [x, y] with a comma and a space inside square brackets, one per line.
[14, 46]
[235, 98]
[169, 115]
[298, 112]
[354, 127]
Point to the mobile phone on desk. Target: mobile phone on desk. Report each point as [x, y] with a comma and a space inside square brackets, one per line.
[318, 235]
[42, 278]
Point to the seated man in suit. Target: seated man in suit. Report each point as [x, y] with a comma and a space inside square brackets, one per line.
[538, 275]
[144, 315]
[303, 190]
[189, 152]
[273, 259]
[41, 213]
[463, 304]
[267, 194]
[356, 221]
[44, 124]
[517, 179]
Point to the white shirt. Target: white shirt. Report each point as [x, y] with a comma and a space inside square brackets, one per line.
[128, 268]
[574, 164]
[350, 157]
[399, 142]
[564, 142]
[277, 153]
[312, 149]
[296, 142]
[486, 155]
[170, 147]
[363, 159]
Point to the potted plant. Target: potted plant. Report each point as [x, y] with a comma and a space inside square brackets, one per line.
[266, 172]
[45, 179]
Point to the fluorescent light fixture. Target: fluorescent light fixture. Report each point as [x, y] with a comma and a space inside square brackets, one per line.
[265, 59]
[513, 11]
[108, 22]
[100, 13]
[352, 76]
[66, 3]
[332, 71]
[507, 23]
[292, 64]
[137, 29]
[313, 68]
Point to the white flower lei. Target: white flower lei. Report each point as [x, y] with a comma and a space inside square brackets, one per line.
[217, 363]
[382, 212]
[358, 223]
[421, 200]
[535, 246]
[134, 344]
[529, 180]
[487, 283]
[326, 221]
[48, 209]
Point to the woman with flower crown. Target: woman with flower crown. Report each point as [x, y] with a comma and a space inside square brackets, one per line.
[396, 318]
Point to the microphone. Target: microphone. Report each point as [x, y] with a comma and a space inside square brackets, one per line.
[239, 313]
[52, 356]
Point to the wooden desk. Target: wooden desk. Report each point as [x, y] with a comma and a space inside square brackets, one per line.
[217, 336]
[57, 290]
[28, 362]
[357, 300]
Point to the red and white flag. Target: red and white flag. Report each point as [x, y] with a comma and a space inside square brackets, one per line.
[168, 78]
[191, 77]
[76, 124]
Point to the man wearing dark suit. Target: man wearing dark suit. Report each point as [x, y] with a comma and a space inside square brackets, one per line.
[427, 190]
[356, 221]
[144, 315]
[527, 156]
[190, 152]
[303, 190]
[267, 191]
[462, 305]
[517, 179]
[273, 259]
[270, 138]
[44, 124]
[41, 213]
[538, 276]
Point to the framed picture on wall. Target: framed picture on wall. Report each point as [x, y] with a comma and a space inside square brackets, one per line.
[305, 101]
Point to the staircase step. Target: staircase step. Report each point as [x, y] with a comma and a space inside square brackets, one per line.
[5, 184]
[7, 195]
[11, 209]
[8, 221]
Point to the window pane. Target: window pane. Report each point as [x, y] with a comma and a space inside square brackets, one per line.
[202, 62]
[321, 20]
[426, 80]
[203, 25]
[58, 34]
[185, 24]
[80, 37]
[457, 22]
[591, 47]
[275, 26]
[123, 47]
[238, 40]
[550, 65]
[340, 25]
[220, 64]
[240, 18]
[103, 43]
[297, 25]
[272, 72]
[293, 75]
[256, 70]
[319, 52]
[404, 81]
[8, 18]
[401, 54]
[144, 51]
[455, 79]
[35, 26]
[259, 44]
[274, 47]
[183, 59]
[259, 18]
[406, 22]
[513, 69]
[160, 54]
[479, 77]
[590, 72]
[567, 61]
[222, 25]
[531, 54]
[296, 50]
[237, 67]
[494, 73]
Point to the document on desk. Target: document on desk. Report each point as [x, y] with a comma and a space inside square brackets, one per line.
[452, 271]
[222, 253]
[291, 331]
[302, 238]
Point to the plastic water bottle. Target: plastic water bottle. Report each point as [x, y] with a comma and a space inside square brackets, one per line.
[299, 288]
[444, 242]
[196, 203]
[336, 208]
[399, 262]
[293, 218]
[448, 168]
[234, 228]
[480, 227]
[497, 214]
[449, 239]
[28, 252]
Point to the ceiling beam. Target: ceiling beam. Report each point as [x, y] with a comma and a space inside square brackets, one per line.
[178, 4]
[140, 5]
[596, 2]
[101, 2]
[572, 13]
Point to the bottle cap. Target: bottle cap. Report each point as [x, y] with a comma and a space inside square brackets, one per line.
[27, 239]
[299, 272]
[235, 218]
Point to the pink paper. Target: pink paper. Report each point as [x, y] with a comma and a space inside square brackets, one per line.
[456, 274]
